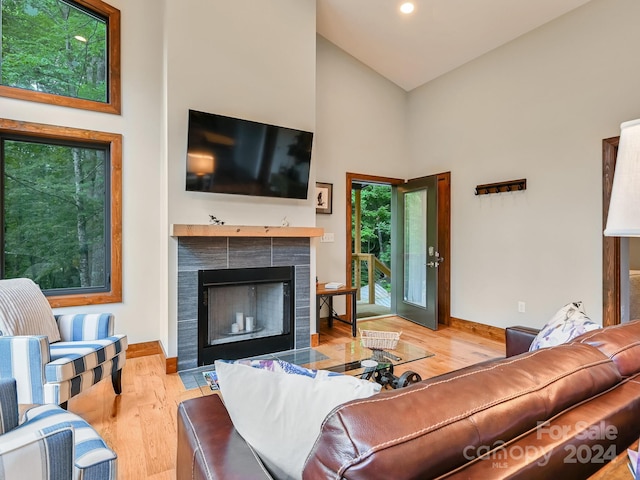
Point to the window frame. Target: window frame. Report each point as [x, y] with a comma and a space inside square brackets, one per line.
[113, 142]
[114, 97]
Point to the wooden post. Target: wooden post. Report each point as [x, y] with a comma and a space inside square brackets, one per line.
[357, 242]
[372, 280]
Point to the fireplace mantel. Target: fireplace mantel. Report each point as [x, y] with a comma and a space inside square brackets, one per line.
[182, 230]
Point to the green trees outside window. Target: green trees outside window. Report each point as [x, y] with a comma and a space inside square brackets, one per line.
[55, 216]
[64, 52]
[61, 211]
[376, 221]
[375, 226]
[55, 47]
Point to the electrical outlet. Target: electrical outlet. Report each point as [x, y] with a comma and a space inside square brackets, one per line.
[521, 307]
[327, 238]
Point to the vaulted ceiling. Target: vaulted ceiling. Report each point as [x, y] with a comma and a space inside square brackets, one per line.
[437, 37]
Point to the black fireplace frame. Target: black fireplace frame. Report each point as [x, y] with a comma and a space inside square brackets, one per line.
[207, 354]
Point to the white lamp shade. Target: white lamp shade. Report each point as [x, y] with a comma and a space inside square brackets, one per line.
[624, 210]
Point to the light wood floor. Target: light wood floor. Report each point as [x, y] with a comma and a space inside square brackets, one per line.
[140, 424]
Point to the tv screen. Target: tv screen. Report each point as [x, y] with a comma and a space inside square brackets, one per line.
[231, 155]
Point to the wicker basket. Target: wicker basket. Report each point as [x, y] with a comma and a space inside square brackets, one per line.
[377, 340]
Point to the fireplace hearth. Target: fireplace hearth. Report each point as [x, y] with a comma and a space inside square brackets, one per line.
[245, 312]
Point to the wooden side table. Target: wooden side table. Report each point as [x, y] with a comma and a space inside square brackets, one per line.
[324, 296]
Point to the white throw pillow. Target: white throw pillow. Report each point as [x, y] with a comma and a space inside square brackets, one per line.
[280, 414]
[568, 323]
[24, 310]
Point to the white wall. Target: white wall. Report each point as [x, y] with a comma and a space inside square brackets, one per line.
[253, 60]
[246, 59]
[138, 314]
[536, 108]
[360, 128]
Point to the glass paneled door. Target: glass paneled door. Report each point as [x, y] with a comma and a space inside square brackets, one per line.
[416, 257]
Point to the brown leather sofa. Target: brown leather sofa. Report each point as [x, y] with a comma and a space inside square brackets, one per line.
[560, 412]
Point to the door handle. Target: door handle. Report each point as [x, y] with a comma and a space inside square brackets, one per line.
[437, 262]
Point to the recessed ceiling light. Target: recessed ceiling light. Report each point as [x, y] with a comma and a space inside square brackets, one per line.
[80, 38]
[407, 7]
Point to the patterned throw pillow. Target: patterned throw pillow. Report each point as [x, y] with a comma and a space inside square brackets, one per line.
[273, 366]
[569, 322]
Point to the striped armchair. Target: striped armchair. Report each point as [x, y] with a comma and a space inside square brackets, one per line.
[50, 444]
[54, 358]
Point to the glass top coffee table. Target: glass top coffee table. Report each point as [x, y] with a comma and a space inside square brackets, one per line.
[352, 358]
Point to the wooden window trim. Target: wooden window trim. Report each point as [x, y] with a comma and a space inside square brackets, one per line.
[114, 142]
[114, 103]
[611, 300]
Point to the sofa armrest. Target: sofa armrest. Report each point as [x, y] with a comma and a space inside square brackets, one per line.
[8, 405]
[29, 354]
[85, 326]
[209, 447]
[36, 454]
[519, 339]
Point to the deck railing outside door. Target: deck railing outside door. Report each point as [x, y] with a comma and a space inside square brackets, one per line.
[373, 264]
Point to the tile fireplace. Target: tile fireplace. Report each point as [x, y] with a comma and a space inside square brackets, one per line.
[220, 253]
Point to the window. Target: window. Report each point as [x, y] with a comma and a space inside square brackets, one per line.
[61, 52]
[60, 193]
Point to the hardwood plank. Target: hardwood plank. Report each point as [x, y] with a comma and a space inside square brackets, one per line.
[140, 425]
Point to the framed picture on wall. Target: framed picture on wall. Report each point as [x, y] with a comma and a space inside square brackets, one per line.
[324, 197]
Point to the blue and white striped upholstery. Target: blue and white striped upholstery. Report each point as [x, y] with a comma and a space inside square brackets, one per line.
[28, 451]
[24, 359]
[70, 359]
[34, 454]
[8, 405]
[91, 326]
[93, 459]
[88, 352]
[60, 392]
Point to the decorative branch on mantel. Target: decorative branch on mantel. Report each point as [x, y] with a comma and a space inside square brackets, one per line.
[180, 230]
[499, 187]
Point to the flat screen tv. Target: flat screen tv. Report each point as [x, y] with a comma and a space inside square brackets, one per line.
[231, 155]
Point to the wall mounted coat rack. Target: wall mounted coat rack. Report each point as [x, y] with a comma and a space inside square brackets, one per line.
[509, 186]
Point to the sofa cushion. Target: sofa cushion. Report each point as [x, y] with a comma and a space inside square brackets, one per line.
[70, 359]
[457, 414]
[574, 444]
[614, 343]
[24, 310]
[279, 414]
[569, 322]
